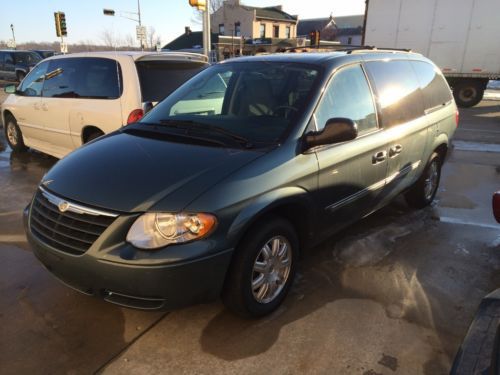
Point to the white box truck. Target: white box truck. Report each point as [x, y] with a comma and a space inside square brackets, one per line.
[461, 36]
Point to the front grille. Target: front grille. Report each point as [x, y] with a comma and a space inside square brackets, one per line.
[71, 232]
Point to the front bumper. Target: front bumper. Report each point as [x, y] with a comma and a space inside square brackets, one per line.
[136, 284]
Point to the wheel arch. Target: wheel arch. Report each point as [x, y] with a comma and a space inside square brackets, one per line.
[292, 203]
[87, 130]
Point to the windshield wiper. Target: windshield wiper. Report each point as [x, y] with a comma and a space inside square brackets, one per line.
[189, 125]
[141, 130]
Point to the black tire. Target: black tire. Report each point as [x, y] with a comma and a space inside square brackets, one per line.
[93, 135]
[238, 294]
[421, 194]
[20, 76]
[468, 93]
[13, 134]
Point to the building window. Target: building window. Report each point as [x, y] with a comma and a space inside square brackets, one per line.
[276, 31]
[221, 29]
[262, 30]
[237, 29]
[287, 32]
[349, 40]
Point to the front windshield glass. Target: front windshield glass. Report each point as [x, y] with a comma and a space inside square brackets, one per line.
[252, 101]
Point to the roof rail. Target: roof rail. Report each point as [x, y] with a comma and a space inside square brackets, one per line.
[349, 48]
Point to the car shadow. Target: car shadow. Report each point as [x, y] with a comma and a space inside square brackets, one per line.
[384, 258]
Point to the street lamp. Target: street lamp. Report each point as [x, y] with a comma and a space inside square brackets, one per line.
[111, 12]
[13, 36]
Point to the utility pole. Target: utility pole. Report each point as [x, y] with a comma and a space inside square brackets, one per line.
[204, 7]
[140, 24]
[13, 36]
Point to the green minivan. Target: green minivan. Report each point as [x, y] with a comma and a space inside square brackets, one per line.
[221, 186]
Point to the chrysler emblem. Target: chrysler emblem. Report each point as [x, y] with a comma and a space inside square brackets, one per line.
[63, 206]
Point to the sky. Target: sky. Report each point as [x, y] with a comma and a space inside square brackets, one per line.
[33, 20]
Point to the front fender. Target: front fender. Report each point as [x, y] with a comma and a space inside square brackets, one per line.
[267, 202]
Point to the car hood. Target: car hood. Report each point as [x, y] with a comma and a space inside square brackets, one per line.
[128, 173]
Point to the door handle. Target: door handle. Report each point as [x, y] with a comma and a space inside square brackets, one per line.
[395, 150]
[379, 157]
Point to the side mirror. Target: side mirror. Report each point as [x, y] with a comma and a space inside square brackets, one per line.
[10, 89]
[336, 130]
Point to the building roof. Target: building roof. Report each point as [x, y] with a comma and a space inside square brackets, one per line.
[273, 13]
[305, 26]
[189, 41]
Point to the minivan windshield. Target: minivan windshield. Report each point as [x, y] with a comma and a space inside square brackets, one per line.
[250, 102]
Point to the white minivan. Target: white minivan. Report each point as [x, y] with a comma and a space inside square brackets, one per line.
[68, 100]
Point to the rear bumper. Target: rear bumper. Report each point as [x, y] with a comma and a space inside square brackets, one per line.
[149, 287]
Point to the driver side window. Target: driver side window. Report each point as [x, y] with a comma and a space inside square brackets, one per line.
[33, 83]
[348, 95]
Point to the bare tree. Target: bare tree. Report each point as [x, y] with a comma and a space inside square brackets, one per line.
[130, 41]
[151, 37]
[108, 38]
[213, 6]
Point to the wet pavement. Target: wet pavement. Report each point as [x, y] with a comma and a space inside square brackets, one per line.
[393, 294]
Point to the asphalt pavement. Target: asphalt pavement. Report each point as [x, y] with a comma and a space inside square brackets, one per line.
[393, 294]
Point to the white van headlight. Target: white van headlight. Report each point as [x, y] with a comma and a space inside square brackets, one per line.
[157, 229]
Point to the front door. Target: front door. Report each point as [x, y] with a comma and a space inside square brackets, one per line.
[28, 105]
[351, 173]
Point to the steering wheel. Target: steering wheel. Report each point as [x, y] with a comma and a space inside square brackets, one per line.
[284, 107]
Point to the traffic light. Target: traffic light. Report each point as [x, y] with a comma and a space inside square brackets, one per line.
[314, 37]
[58, 23]
[62, 20]
[199, 4]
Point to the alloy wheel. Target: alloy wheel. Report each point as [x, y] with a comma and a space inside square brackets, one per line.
[271, 269]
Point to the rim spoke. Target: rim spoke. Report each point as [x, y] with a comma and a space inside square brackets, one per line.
[260, 266]
[283, 250]
[266, 251]
[276, 246]
[263, 291]
[258, 282]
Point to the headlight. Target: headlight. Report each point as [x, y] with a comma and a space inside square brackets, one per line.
[153, 230]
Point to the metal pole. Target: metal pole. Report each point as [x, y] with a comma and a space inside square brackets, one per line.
[13, 36]
[140, 24]
[206, 32]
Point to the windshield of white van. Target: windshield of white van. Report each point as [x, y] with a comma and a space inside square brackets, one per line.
[255, 101]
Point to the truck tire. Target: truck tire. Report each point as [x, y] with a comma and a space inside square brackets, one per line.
[468, 93]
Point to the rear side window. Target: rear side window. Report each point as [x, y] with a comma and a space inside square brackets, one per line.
[397, 91]
[158, 79]
[348, 95]
[86, 78]
[8, 58]
[434, 88]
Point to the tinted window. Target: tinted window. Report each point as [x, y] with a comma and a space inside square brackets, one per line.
[397, 91]
[435, 90]
[159, 79]
[26, 58]
[8, 58]
[348, 95]
[32, 84]
[90, 78]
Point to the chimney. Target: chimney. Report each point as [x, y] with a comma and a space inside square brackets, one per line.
[187, 30]
[279, 7]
